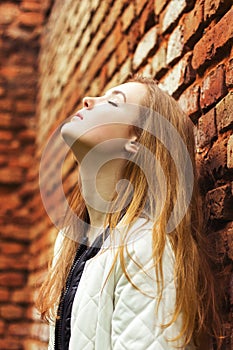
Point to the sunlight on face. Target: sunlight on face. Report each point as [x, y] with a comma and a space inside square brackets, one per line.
[103, 118]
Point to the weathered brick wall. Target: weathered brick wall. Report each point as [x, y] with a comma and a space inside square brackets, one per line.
[20, 28]
[87, 47]
[186, 45]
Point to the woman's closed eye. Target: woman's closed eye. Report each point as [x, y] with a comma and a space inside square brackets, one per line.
[113, 103]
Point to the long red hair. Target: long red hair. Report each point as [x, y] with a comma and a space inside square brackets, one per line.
[196, 296]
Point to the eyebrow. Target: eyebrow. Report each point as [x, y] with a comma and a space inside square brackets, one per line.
[116, 92]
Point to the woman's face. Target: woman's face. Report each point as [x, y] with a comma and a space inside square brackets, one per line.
[105, 118]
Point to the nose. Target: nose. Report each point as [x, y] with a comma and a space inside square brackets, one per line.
[88, 102]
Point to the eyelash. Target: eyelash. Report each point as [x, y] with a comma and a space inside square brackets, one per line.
[113, 103]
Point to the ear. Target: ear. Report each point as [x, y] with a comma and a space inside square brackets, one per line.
[132, 145]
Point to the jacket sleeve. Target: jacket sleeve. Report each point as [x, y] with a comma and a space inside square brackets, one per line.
[135, 322]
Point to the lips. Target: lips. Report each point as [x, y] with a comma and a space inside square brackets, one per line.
[77, 116]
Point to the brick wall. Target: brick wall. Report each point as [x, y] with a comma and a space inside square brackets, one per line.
[87, 47]
[20, 27]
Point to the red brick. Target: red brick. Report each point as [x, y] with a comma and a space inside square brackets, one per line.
[122, 52]
[139, 6]
[11, 248]
[172, 13]
[214, 40]
[11, 312]
[9, 148]
[180, 76]
[224, 115]
[23, 161]
[230, 152]
[8, 13]
[229, 235]
[99, 16]
[159, 5]
[224, 237]
[8, 262]
[27, 135]
[216, 159]
[19, 329]
[22, 213]
[20, 218]
[192, 23]
[128, 17]
[219, 242]
[231, 300]
[41, 245]
[22, 296]
[134, 36]
[189, 101]
[25, 92]
[175, 45]
[215, 7]
[19, 33]
[112, 65]
[10, 344]
[145, 46]
[32, 173]
[158, 61]
[6, 135]
[219, 203]
[206, 129]
[5, 120]
[10, 71]
[30, 5]
[2, 327]
[19, 59]
[4, 294]
[11, 175]
[114, 11]
[30, 19]
[28, 189]
[147, 17]
[21, 234]
[6, 104]
[25, 107]
[2, 91]
[32, 314]
[11, 279]
[108, 47]
[213, 87]
[3, 160]
[229, 73]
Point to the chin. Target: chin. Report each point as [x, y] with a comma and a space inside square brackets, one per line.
[67, 134]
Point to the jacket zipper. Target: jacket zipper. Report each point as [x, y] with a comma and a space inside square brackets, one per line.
[76, 261]
[61, 304]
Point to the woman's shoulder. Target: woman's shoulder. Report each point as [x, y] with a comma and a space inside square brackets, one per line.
[140, 257]
[141, 236]
[136, 240]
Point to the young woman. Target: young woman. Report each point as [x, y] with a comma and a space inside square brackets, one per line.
[130, 269]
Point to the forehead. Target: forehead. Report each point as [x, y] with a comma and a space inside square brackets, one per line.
[133, 91]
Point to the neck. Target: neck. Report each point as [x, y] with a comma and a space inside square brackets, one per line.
[99, 188]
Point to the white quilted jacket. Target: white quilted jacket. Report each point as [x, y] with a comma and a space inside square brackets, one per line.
[115, 315]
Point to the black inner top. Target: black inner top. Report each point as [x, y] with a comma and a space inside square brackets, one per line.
[84, 253]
